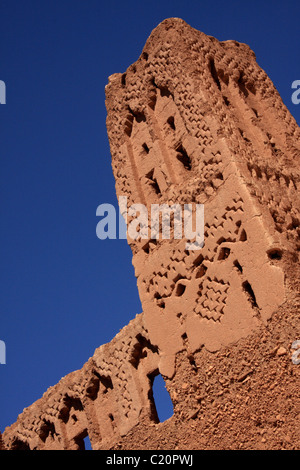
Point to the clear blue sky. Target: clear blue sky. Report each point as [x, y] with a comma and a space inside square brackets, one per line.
[63, 291]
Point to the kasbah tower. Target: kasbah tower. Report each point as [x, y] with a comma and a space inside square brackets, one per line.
[195, 120]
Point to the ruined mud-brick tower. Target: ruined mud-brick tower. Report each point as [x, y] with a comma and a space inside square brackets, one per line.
[195, 120]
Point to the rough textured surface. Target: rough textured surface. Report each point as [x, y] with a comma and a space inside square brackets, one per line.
[2, 447]
[195, 120]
